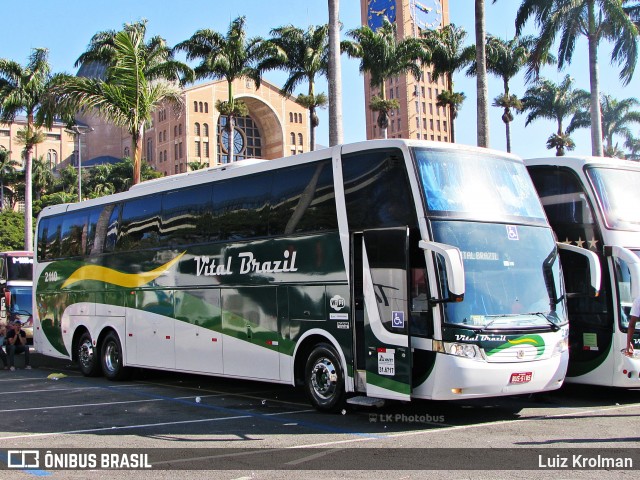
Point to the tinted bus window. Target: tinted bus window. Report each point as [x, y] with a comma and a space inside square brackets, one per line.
[73, 235]
[241, 207]
[139, 223]
[52, 248]
[377, 190]
[303, 200]
[187, 216]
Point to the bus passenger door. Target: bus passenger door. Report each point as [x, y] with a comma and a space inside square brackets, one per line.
[386, 346]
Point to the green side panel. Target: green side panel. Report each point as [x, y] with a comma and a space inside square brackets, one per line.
[388, 383]
[50, 308]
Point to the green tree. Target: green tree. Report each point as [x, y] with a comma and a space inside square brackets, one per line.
[7, 167]
[42, 177]
[11, 231]
[597, 20]
[140, 77]
[231, 57]
[617, 116]
[448, 55]
[196, 166]
[26, 90]
[505, 59]
[304, 55]
[382, 56]
[633, 144]
[556, 102]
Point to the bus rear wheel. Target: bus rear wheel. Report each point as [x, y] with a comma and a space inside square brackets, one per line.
[87, 355]
[324, 379]
[111, 358]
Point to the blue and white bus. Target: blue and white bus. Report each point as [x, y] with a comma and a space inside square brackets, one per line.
[388, 269]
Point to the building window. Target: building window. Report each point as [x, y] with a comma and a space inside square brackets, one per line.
[175, 131]
[293, 138]
[180, 129]
[438, 125]
[206, 107]
[444, 125]
[159, 157]
[205, 128]
[165, 156]
[195, 106]
[198, 148]
[175, 152]
[291, 117]
[206, 149]
[180, 150]
[300, 139]
[196, 129]
[52, 158]
[399, 127]
[247, 141]
[149, 149]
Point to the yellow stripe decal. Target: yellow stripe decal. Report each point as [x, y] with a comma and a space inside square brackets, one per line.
[108, 275]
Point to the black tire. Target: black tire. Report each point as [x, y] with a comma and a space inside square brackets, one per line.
[111, 358]
[324, 379]
[88, 356]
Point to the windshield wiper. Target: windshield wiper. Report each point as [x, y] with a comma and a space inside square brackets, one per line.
[554, 326]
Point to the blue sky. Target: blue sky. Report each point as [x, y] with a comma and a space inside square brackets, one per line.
[66, 27]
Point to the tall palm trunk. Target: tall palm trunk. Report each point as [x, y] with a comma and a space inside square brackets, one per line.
[335, 75]
[312, 117]
[507, 116]
[481, 78]
[28, 188]
[383, 95]
[594, 83]
[230, 124]
[452, 110]
[136, 148]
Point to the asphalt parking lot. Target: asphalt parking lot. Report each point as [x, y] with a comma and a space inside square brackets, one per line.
[194, 423]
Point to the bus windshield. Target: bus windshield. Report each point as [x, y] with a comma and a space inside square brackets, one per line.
[21, 300]
[503, 264]
[618, 196]
[477, 186]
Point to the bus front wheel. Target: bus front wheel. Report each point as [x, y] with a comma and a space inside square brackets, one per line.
[324, 379]
[111, 358]
[87, 354]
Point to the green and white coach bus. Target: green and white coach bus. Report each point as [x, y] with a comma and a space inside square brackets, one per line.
[385, 269]
[594, 203]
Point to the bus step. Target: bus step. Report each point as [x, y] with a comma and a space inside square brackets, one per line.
[366, 401]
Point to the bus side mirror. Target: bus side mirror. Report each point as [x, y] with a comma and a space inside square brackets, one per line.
[595, 271]
[453, 266]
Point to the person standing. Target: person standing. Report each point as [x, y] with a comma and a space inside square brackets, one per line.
[17, 343]
[633, 318]
[3, 356]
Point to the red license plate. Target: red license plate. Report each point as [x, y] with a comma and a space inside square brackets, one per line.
[521, 377]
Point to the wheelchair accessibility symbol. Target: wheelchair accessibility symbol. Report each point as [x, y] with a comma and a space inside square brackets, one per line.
[397, 319]
[512, 232]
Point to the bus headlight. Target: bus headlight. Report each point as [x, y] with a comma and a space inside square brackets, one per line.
[563, 343]
[463, 350]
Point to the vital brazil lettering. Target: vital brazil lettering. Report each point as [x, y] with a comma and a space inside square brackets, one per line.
[243, 263]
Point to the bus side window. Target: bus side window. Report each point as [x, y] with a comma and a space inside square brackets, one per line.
[53, 238]
[377, 190]
[140, 224]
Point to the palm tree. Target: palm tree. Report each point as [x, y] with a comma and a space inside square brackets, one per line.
[611, 20]
[139, 78]
[25, 90]
[231, 57]
[481, 76]
[448, 55]
[633, 144]
[7, 168]
[616, 119]
[42, 177]
[505, 59]
[382, 56]
[335, 75]
[555, 102]
[304, 54]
